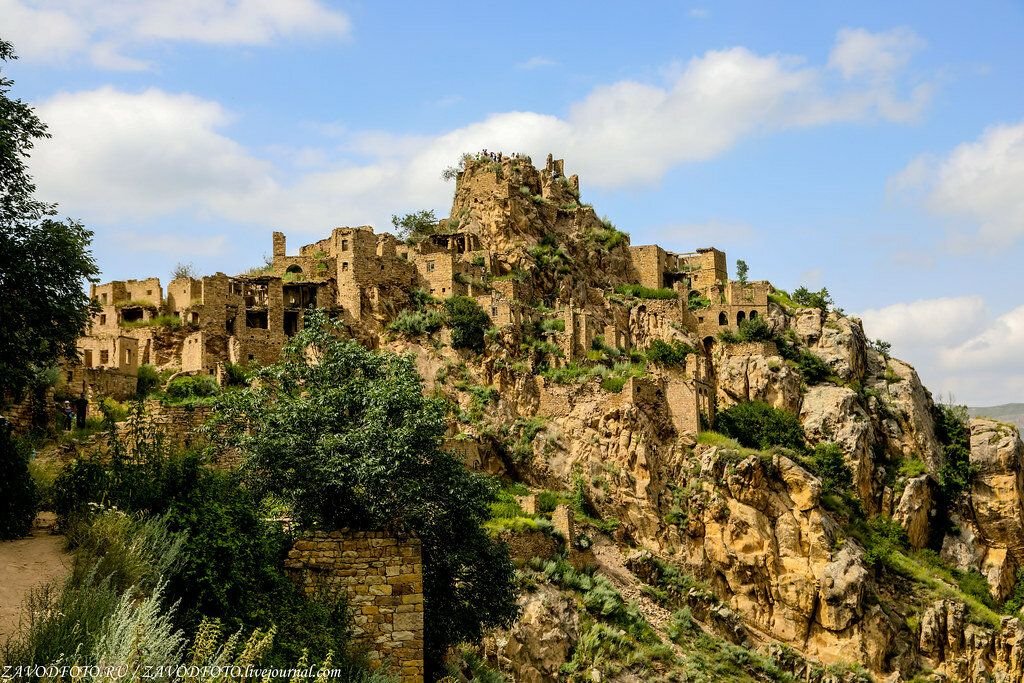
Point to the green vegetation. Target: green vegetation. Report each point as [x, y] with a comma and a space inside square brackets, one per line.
[416, 225]
[809, 299]
[552, 325]
[468, 322]
[352, 441]
[665, 353]
[756, 424]
[584, 509]
[697, 302]
[148, 380]
[641, 292]
[742, 271]
[781, 298]
[607, 237]
[43, 261]
[19, 497]
[183, 270]
[169, 322]
[812, 368]
[414, 324]
[521, 434]
[191, 390]
[831, 468]
[953, 430]
[613, 378]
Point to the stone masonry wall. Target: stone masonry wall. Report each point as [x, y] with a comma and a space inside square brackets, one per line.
[382, 578]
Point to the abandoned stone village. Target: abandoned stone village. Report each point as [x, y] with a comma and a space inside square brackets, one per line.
[603, 367]
[503, 209]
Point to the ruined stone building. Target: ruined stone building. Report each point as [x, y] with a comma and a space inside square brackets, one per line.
[518, 241]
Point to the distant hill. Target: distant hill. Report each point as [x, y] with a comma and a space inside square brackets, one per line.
[1008, 412]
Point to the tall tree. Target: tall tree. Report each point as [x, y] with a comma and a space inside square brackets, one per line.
[349, 439]
[44, 262]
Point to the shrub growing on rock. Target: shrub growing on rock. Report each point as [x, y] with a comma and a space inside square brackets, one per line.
[468, 322]
[756, 424]
[19, 497]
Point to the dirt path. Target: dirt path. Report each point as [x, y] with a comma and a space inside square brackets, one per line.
[26, 564]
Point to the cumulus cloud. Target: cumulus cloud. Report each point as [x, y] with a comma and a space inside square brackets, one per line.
[925, 322]
[129, 155]
[976, 187]
[101, 30]
[959, 348]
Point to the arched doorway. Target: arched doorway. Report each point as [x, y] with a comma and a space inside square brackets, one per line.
[741, 317]
[723, 319]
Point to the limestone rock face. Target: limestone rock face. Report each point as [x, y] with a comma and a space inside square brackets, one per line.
[916, 509]
[624, 448]
[831, 413]
[841, 343]
[967, 652]
[762, 538]
[762, 375]
[906, 417]
[996, 498]
[541, 640]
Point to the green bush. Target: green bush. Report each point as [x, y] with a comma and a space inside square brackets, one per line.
[668, 353]
[189, 387]
[19, 497]
[148, 380]
[641, 292]
[954, 433]
[756, 424]
[813, 368]
[831, 468]
[468, 323]
[809, 299]
[417, 323]
[885, 537]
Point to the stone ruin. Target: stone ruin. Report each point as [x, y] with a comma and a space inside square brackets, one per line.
[503, 208]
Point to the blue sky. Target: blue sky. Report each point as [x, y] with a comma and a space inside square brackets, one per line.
[877, 149]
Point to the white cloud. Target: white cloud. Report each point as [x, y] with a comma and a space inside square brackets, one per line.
[858, 52]
[101, 30]
[699, 13]
[997, 346]
[122, 155]
[957, 346]
[537, 62]
[977, 187]
[926, 322]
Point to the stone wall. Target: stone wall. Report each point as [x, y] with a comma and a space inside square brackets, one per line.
[382, 578]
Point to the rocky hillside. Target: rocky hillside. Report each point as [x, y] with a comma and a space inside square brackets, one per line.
[726, 553]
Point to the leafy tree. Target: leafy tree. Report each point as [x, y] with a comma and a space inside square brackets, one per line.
[820, 299]
[831, 468]
[756, 424]
[952, 427]
[183, 270]
[19, 497]
[43, 261]
[883, 347]
[666, 353]
[416, 224]
[347, 438]
[742, 270]
[468, 322]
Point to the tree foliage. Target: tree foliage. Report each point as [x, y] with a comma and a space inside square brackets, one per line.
[43, 261]
[742, 271]
[953, 430]
[831, 468]
[347, 438]
[415, 225]
[811, 299]
[19, 497]
[756, 424]
[468, 322]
